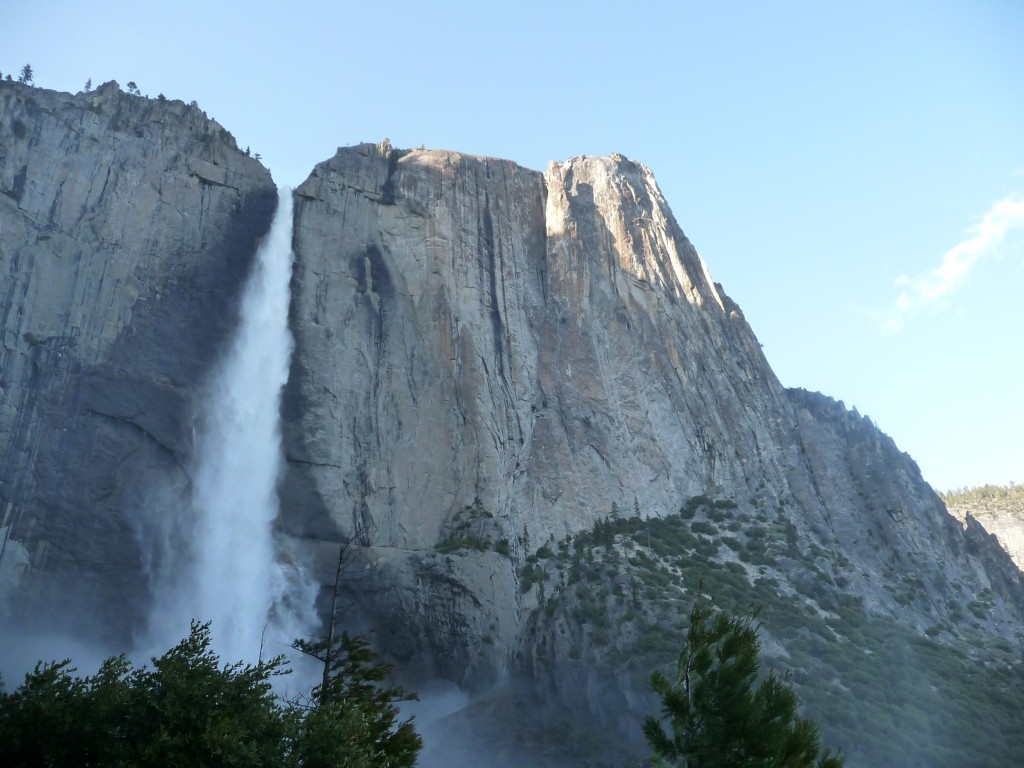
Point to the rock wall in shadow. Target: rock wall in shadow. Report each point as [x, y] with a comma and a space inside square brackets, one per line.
[129, 226]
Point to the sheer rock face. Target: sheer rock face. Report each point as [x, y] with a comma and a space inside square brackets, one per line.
[126, 228]
[551, 345]
[487, 358]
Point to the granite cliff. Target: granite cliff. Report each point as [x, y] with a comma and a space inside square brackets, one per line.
[552, 345]
[126, 228]
[998, 510]
[518, 396]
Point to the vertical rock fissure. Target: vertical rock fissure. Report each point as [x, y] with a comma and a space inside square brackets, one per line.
[487, 241]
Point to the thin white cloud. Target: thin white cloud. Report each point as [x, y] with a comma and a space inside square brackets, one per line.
[930, 287]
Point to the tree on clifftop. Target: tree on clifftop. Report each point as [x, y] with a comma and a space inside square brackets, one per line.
[26, 75]
[718, 715]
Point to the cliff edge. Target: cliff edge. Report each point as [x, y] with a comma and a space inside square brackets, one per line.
[127, 225]
[490, 359]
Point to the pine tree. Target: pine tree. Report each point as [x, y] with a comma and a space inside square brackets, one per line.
[354, 692]
[189, 709]
[718, 715]
[183, 710]
[353, 719]
[26, 75]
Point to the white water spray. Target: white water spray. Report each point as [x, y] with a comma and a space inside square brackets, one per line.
[228, 567]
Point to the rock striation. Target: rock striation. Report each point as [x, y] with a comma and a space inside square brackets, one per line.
[126, 228]
[489, 361]
[543, 349]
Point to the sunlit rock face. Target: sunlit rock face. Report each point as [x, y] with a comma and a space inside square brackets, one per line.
[1004, 521]
[552, 345]
[1009, 531]
[548, 343]
[488, 358]
[126, 228]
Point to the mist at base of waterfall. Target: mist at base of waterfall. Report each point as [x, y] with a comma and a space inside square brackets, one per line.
[212, 551]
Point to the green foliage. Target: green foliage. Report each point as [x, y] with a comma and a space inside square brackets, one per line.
[532, 573]
[26, 75]
[689, 509]
[984, 493]
[185, 710]
[470, 530]
[699, 526]
[353, 694]
[197, 708]
[1007, 500]
[190, 710]
[883, 693]
[719, 715]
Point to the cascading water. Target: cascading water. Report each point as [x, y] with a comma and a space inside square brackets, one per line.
[222, 563]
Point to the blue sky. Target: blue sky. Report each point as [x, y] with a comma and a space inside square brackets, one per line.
[852, 173]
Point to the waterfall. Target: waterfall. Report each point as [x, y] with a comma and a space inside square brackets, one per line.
[221, 561]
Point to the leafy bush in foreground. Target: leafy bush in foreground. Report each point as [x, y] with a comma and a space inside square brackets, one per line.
[189, 710]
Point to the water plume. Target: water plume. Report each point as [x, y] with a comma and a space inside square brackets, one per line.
[219, 559]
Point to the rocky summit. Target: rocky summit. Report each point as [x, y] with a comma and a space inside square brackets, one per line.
[518, 398]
